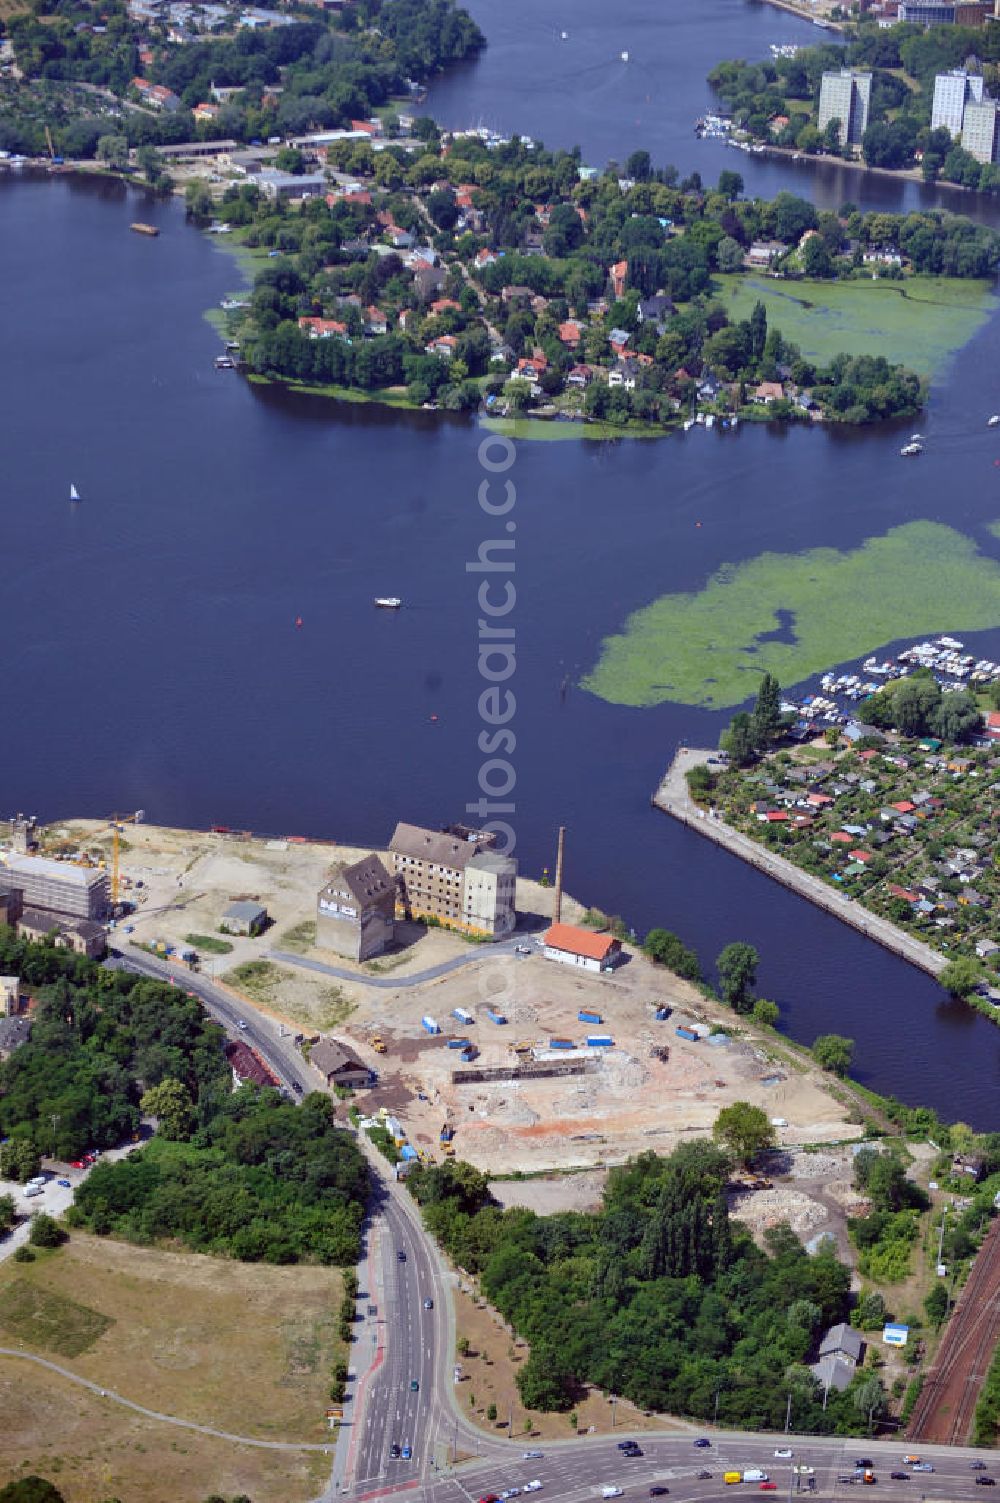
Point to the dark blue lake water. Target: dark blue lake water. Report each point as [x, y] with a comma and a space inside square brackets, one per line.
[152, 658]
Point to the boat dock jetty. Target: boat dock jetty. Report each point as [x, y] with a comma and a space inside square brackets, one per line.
[674, 798]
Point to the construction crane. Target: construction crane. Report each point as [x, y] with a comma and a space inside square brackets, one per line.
[115, 822]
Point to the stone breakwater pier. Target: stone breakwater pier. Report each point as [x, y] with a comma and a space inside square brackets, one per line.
[674, 798]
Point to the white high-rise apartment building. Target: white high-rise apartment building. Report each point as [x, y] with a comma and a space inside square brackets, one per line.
[846, 96]
[952, 92]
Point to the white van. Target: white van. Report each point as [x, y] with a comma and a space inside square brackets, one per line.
[755, 1475]
[611, 1492]
[31, 1190]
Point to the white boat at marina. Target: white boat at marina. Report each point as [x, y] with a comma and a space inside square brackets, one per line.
[908, 451]
[388, 602]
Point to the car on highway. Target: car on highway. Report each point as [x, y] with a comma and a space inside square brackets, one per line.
[414, 1385]
[510, 1492]
[241, 1025]
[769, 1487]
[490, 1498]
[704, 1476]
[900, 1476]
[977, 1466]
[401, 1254]
[394, 1450]
[865, 1461]
[804, 1471]
[533, 1487]
[922, 1466]
[407, 1452]
[611, 1492]
[625, 1445]
[986, 1482]
[532, 1455]
[702, 1442]
[297, 1087]
[428, 1304]
[909, 1460]
[783, 1453]
[658, 1492]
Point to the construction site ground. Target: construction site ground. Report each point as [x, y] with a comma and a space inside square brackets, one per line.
[626, 1101]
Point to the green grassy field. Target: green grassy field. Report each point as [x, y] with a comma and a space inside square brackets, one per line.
[920, 323]
[710, 648]
[49, 1321]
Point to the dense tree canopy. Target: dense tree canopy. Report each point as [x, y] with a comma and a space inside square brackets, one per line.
[658, 1296]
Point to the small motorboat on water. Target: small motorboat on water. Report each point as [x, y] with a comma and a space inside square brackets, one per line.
[388, 602]
[624, 57]
[994, 421]
[910, 450]
[74, 494]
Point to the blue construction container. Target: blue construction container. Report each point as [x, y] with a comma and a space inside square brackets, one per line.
[462, 1015]
[495, 1017]
[589, 1017]
[458, 1043]
[663, 1013]
[685, 1033]
[599, 1041]
[561, 1044]
[429, 1025]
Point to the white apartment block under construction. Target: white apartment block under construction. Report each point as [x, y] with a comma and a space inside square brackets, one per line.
[456, 877]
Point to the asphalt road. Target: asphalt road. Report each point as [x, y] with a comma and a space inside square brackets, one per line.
[574, 1472]
[260, 1032]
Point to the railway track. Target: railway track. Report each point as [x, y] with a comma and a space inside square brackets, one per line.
[944, 1412]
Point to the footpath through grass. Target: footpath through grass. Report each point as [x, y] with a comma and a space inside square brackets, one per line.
[795, 614]
[920, 322]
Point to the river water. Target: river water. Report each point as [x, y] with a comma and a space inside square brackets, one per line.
[152, 657]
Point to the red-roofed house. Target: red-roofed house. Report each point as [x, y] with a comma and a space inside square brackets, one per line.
[375, 321]
[530, 366]
[580, 375]
[618, 275]
[993, 725]
[484, 257]
[818, 800]
[841, 837]
[862, 856]
[370, 127]
[868, 754]
[895, 891]
[903, 806]
[776, 817]
[247, 1065]
[444, 346]
[445, 305]
[579, 947]
[206, 112]
[323, 328]
[768, 392]
[569, 333]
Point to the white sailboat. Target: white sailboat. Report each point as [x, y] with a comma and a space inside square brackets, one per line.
[74, 494]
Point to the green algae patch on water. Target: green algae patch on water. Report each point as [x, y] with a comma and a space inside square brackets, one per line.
[920, 322]
[796, 614]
